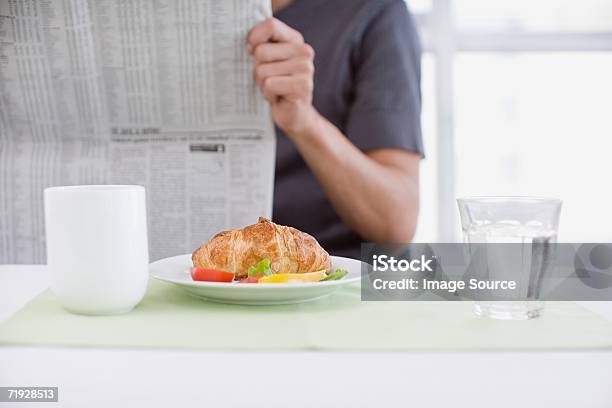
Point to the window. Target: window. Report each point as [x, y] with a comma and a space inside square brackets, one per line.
[517, 100]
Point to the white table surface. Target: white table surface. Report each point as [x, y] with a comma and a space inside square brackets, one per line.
[93, 377]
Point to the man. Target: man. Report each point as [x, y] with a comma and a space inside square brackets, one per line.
[349, 141]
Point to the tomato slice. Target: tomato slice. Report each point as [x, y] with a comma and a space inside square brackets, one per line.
[211, 275]
[252, 279]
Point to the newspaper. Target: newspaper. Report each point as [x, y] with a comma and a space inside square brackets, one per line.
[156, 93]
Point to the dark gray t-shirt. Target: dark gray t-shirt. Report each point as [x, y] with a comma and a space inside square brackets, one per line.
[367, 83]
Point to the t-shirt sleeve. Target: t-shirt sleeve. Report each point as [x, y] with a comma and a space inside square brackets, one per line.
[386, 106]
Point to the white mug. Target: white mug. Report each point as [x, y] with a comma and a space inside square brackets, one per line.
[97, 248]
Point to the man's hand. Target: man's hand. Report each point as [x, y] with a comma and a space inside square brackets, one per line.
[380, 202]
[284, 71]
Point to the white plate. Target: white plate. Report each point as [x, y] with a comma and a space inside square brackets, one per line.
[176, 270]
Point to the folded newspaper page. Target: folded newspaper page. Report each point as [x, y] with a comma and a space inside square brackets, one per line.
[156, 93]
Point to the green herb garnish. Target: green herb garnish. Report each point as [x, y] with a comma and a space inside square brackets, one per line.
[336, 275]
[262, 268]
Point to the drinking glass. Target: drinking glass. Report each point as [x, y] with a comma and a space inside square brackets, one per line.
[97, 248]
[530, 225]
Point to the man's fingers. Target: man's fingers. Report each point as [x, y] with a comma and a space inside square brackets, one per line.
[283, 62]
[287, 86]
[274, 30]
[271, 52]
[301, 65]
[269, 95]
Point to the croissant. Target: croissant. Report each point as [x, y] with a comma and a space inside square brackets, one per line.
[289, 250]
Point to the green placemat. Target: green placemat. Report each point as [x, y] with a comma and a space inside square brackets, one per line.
[169, 318]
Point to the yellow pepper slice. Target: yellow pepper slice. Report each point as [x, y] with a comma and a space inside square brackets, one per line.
[293, 277]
